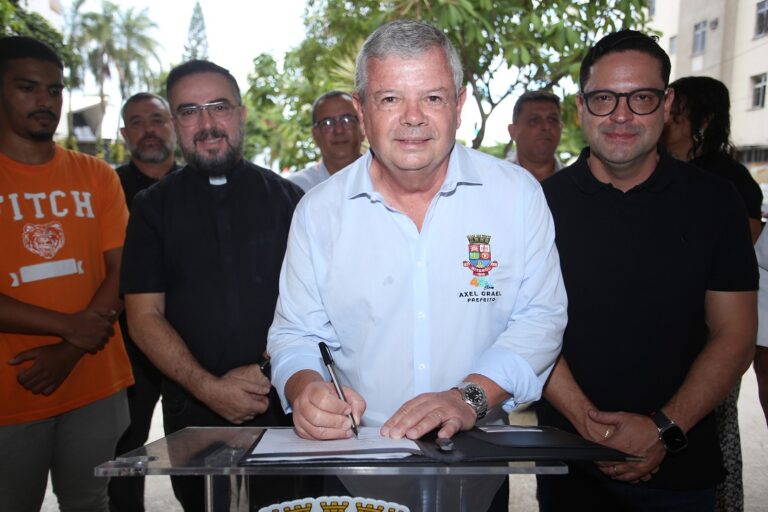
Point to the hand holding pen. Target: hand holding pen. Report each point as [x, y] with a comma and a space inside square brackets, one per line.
[328, 362]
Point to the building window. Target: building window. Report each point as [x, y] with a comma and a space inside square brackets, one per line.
[761, 28]
[749, 155]
[699, 37]
[673, 45]
[758, 90]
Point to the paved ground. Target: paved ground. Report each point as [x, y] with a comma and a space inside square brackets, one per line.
[754, 440]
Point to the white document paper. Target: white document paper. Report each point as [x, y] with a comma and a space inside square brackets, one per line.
[282, 444]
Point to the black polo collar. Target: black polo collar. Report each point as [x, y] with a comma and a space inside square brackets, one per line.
[661, 177]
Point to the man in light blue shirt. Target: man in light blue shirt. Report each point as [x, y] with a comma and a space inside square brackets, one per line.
[336, 132]
[429, 269]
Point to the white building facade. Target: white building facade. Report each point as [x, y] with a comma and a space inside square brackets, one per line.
[726, 40]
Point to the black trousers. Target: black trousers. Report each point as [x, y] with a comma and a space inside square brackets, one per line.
[126, 494]
[181, 410]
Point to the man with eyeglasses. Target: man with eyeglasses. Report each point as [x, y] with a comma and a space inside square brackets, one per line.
[661, 296]
[336, 131]
[200, 272]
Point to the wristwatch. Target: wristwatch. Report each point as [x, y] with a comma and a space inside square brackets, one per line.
[670, 434]
[474, 395]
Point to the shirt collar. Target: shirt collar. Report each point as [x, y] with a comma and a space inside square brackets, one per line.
[460, 171]
[658, 180]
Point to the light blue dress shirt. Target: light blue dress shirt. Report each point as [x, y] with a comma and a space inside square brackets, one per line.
[408, 312]
[310, 176]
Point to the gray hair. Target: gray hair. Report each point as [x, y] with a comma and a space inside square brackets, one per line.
[325, 96]
[144, 96]
[406, 39]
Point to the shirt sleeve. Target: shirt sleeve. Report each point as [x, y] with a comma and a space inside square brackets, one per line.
[761, 250]
[300, 321]
[142, 269]
[733, 265]
[114, 216]
[524, 354]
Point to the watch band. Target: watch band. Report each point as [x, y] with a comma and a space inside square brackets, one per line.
[661, 420]
[474, 396]
[671, 435]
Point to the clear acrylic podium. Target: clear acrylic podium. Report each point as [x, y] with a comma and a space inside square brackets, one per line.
[216, 451]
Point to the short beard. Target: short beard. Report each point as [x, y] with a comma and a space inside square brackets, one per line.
[42, 136]
[153, 156]
[218, 165]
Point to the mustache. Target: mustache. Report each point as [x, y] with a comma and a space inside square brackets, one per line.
[43, 111]
[148, 138]
[211, 133]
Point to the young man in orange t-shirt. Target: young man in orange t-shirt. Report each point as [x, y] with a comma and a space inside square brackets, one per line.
[63, 367]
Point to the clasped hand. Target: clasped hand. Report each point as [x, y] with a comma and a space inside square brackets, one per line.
[90, 329]
[239, 395]
[630, 433]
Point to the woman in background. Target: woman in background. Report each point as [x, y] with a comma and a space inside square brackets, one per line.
[699, 131]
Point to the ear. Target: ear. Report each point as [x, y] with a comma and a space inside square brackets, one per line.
[460, 99]
[359, 108]
[243, 113]
[315, 132]
[122, 133]
[512, 131]
[668, 101]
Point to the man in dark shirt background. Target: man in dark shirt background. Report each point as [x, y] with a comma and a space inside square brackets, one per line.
[200, 273]
[661, 300]
[149, 136]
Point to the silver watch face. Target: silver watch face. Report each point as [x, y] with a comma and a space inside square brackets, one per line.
[475, 397]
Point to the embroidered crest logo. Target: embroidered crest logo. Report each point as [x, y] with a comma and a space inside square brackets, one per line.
[480, 261]
[45, 240]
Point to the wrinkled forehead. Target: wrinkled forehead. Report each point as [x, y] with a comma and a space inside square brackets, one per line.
[201, 88]
[334, 107]
[145, 107]
[625, 70]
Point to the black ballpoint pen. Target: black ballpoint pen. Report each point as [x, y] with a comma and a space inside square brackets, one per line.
[328, 361]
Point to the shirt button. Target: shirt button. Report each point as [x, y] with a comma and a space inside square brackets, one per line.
[421, 315]
[422, 366]
[420, 263]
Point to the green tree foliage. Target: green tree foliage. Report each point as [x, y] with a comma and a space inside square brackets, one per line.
[16, 21]
[541, 41]
[116, 43]
[197, 37]
[136, 51]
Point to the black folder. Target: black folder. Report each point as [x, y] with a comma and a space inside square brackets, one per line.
[485, 444]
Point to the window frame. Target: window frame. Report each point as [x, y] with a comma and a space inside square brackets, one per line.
[699, 37]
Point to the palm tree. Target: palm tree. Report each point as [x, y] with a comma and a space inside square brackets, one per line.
[101, 49]
[119, 44]
[135, 49]
[74, 37]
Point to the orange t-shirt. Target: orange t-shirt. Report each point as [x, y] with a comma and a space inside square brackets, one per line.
[56, 221]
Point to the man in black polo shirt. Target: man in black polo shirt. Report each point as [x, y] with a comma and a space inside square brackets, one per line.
[149, 136]
[200, 270]
[660, 275]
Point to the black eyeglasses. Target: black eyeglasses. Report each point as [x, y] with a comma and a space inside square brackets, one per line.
[346, 121]
[640, 102]
[190, 115]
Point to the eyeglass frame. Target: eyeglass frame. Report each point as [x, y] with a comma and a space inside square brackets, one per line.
[199, 109]
[659, 93]
[339, 119]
